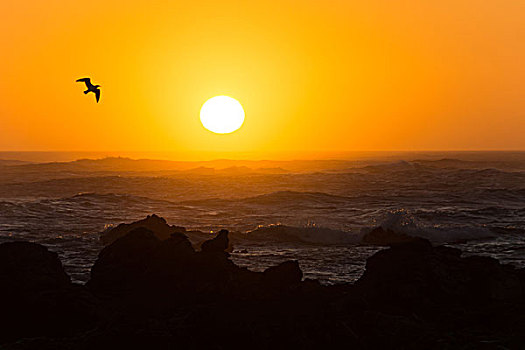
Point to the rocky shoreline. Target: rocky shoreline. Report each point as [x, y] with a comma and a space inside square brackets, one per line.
[151, 288]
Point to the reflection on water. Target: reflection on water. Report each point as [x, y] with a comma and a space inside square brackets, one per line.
[481, 210]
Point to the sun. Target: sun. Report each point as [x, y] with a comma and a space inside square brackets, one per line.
[222, 114]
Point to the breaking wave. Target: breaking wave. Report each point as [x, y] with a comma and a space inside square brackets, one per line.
[312, 235]
[402, 222]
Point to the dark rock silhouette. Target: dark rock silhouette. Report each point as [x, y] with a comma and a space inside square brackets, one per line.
[218, 244]
[38, 297]
[417, 276]
[382, 237]
[286, 273]
[140, 265]
[154, 223]
[162, 293]
[31, 266]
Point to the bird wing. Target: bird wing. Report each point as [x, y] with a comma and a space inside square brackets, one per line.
[97, 93]
[87, 81]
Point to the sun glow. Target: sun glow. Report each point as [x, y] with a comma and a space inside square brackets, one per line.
[222, 114]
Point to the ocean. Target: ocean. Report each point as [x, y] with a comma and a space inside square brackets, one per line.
[311, 211]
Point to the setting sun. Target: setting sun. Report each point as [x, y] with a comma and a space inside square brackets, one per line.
[300, 173]
[222, 114]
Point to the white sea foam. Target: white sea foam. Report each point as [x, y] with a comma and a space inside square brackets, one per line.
[401, 221]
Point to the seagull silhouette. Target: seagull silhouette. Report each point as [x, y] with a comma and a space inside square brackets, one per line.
[90, 87]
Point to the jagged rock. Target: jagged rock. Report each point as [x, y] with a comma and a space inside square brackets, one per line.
[382, 237]
[139, 264]
[122, 264]
[163, 293]
[154, 223]
[418, 276]
[218, 244]
[38, 297]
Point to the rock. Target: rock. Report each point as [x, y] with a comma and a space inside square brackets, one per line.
[154, 223]
[30, 266]
[218, 244]
[161, 293]
[382, 237]
[418, 277]
[38, 297]
[141, 266]
[284, 274]
[122, 264]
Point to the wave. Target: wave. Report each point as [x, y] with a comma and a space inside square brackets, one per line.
[78, 207]
[90, 197]
[277, 198]
[327, 236]
[447, 165]
[297, 197]
[401, 165]
[503, 194]
[309, 234]
[401, 221]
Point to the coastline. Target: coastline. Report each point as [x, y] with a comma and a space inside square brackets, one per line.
[148, 292]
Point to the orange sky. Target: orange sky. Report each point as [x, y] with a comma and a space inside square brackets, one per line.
[311, 75]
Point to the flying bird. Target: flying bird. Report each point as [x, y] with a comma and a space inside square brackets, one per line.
[90, 87]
